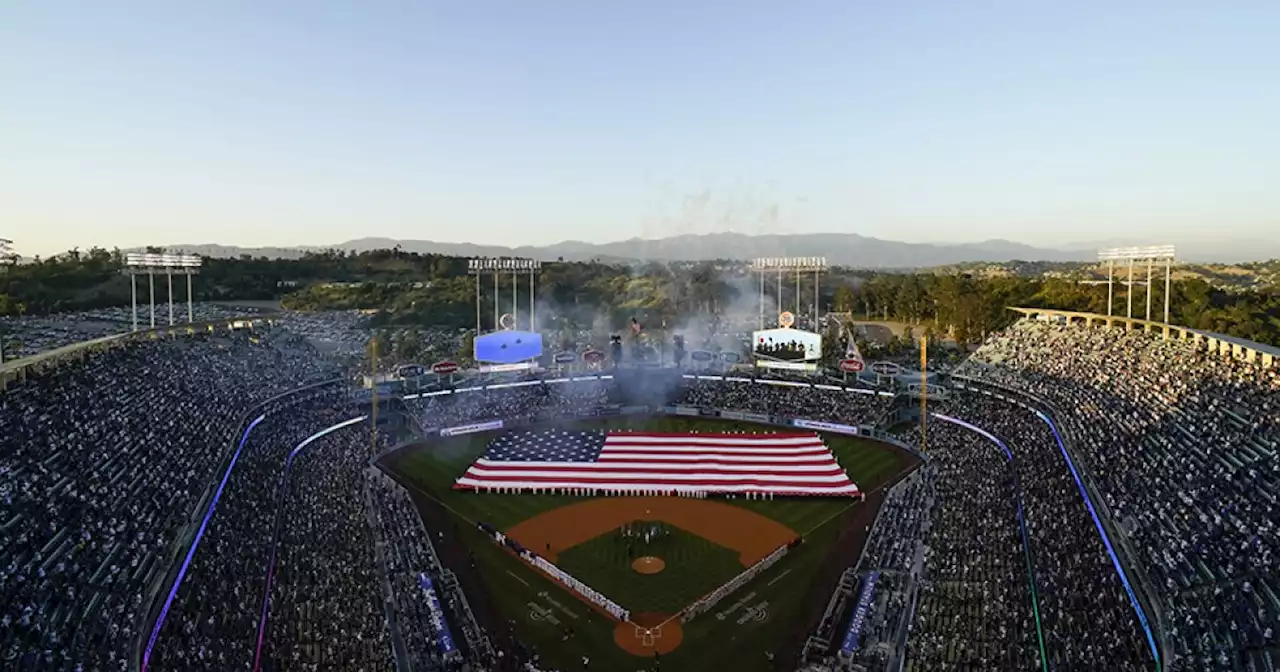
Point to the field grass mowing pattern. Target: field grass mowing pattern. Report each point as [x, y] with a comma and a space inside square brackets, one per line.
[694, 567]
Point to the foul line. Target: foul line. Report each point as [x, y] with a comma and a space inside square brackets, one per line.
[892, 481]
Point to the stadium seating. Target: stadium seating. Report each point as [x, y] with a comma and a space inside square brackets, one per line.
[100, 466]
[987, 558]
[1182, 447]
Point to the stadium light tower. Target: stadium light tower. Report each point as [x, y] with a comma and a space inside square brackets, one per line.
[480, 266]
[136, 263]
[783, 265]
[7, 259]
[1151, 255]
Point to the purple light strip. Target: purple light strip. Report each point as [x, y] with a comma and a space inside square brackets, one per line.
[275, 541]
[1106, 541]
[177, 582]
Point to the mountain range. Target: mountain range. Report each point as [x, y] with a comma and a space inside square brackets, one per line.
[840, 249]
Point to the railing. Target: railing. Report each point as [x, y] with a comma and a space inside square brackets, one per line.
[1145, 594]
[187, 537]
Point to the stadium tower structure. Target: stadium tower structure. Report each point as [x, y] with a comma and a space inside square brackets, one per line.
[136, 263]
[785, 266]
[498, 267]
[1165, 253]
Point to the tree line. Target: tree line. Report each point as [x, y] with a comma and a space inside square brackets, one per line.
[423, 290]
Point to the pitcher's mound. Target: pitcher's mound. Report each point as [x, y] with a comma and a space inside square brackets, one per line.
[647, 633]
[648, 565]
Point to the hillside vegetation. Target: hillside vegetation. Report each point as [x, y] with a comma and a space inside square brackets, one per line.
[432, 290]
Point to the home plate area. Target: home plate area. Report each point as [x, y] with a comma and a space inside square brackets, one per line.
[651, 563]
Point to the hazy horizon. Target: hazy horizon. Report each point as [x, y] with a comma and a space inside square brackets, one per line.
[288, 124]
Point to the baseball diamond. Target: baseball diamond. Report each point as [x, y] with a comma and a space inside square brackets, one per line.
[654, 556]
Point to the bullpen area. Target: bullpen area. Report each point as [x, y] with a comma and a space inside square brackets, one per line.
[655, 557]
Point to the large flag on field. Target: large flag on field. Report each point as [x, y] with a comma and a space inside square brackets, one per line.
[629, 462]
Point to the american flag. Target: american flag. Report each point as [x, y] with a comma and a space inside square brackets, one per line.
[629, 462]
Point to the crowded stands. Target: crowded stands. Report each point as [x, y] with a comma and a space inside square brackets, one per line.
[987, 558]
[973, 608]
[1182, 447]
[101, 464]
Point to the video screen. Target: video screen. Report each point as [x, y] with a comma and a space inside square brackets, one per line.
[786, 345]
[508, 347]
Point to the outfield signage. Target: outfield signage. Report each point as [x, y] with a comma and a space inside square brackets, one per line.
[886, 369]
[756, 417]
[731, 415]
[824, 426]
[444, 368]
[787, 366]
[687, 410]
[852, 365]
[505, 368]
[853, 635]
[471, 428]
[436, 619]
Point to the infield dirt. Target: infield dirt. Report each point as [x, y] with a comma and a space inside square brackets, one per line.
[752, 535]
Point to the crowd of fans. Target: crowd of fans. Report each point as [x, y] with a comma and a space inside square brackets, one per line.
[101, 464]
[532, 400]
[214, 620]
[409, 552]
[987, 558]
[1087, 619]
[326, 611]
[29, 335]
[973, 606]
[1182, 447]
[794, 400]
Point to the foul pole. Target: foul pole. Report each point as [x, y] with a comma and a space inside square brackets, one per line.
[924, 392]
[373, 377]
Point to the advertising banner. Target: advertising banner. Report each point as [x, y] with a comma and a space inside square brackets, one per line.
[471, 428]
[436, 619]
[687, 410]
[731, 415]
[853, 635]
[756, 417]
[824, 426]
[505, 368]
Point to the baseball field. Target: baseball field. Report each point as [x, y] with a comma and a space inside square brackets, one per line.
[653, 556]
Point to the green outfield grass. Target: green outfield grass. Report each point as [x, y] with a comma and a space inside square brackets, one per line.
[694, 567]
[541, 609]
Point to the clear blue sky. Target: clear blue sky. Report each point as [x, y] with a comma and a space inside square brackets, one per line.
[306, 122]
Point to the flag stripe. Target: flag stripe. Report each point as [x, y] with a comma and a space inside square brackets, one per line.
[717, 460]
[611, 448]
[486, 466]
[849, 490]
[789, 463]
[834, 476]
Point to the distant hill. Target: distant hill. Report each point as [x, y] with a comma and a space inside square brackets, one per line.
[839, 249]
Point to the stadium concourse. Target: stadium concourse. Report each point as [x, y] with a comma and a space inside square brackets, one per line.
[167, 508]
